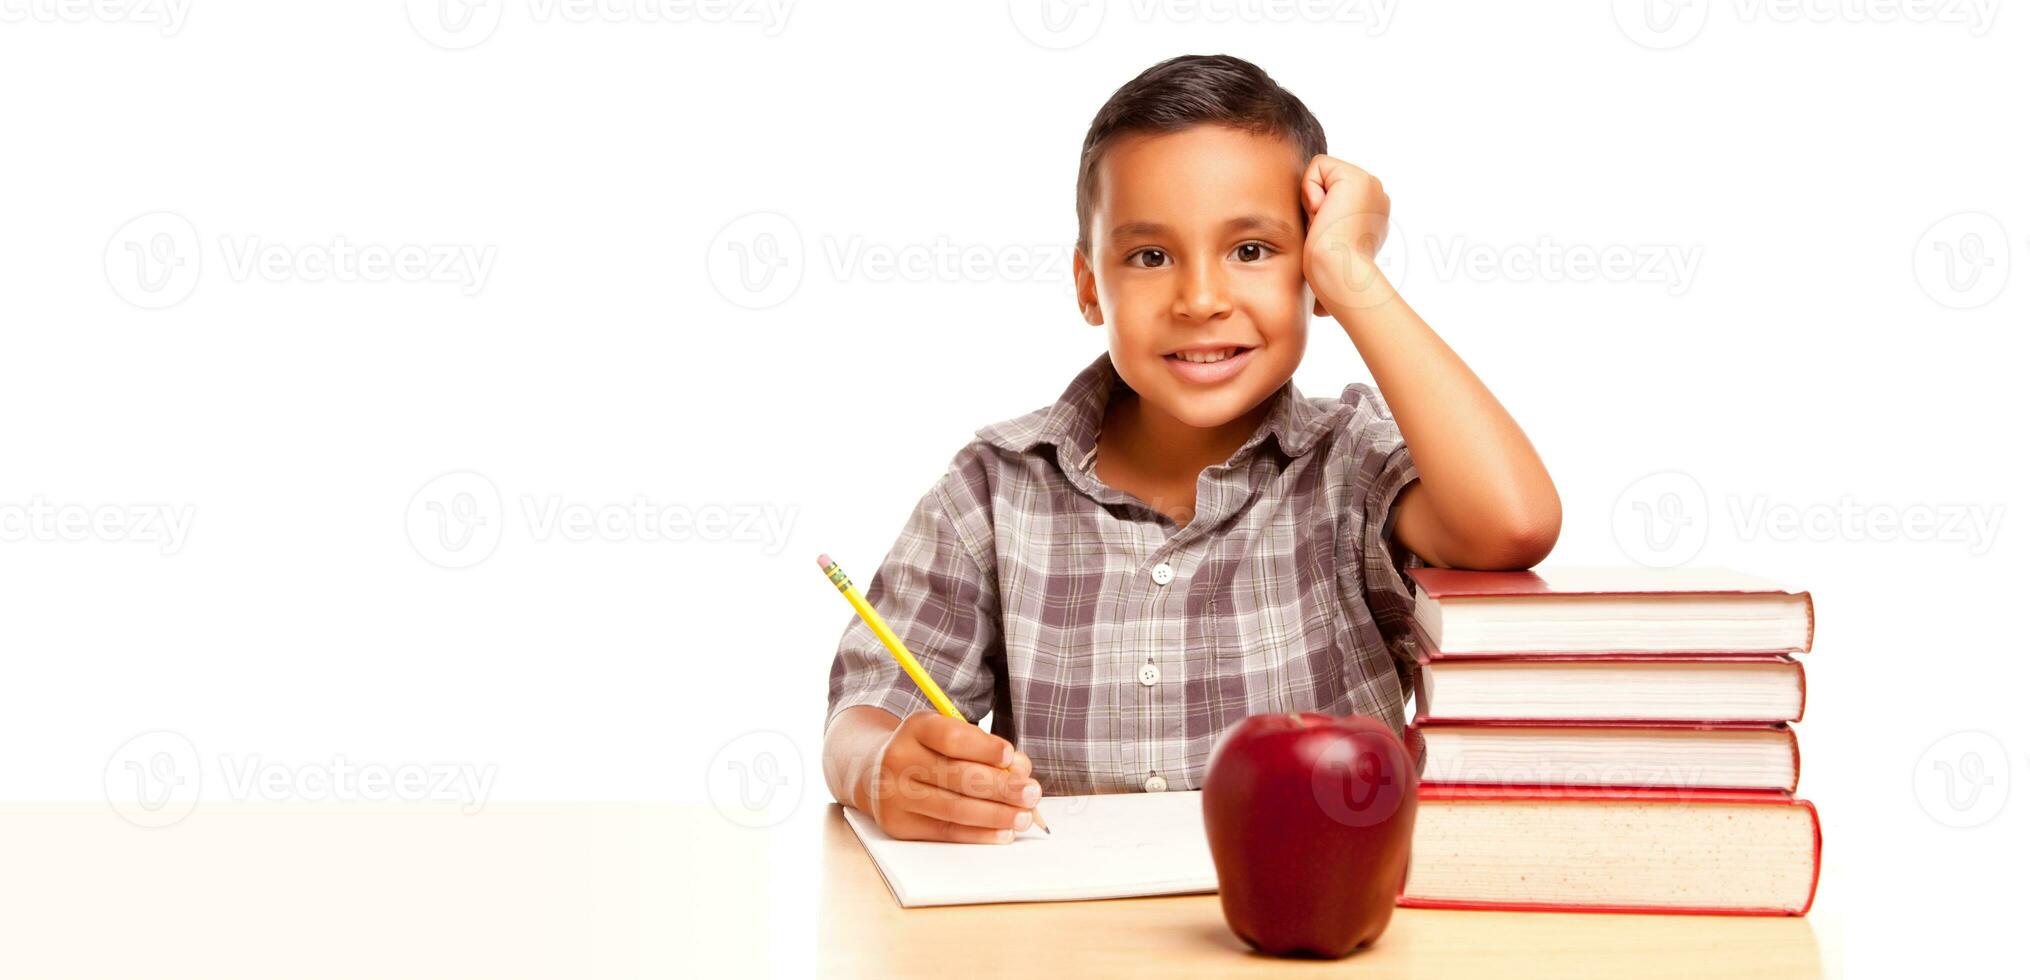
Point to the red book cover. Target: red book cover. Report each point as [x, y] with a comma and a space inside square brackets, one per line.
[1426, 656]
[1457, 791]
[1453, 583]
[1448, 583]
[1427, 652]
[1414, 730]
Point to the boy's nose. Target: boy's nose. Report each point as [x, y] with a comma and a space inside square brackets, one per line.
[1201, 292]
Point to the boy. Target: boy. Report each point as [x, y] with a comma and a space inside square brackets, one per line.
[1182, 540]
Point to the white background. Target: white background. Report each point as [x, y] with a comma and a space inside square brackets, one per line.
[1840, 341]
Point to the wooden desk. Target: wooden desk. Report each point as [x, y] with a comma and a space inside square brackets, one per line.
[864, 933]
[622, 889]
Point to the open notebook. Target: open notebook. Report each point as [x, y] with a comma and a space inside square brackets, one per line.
[1112, 846]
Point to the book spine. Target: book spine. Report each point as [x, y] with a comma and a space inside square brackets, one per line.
[1405, 900]
[1409, 902]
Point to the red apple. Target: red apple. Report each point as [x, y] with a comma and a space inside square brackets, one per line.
[1309, 818]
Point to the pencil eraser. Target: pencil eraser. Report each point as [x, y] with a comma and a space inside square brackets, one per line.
[824, 561]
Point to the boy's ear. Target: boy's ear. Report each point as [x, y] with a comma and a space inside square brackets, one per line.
[1088, 293]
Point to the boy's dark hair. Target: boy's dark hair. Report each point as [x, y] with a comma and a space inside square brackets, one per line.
[1191, 90]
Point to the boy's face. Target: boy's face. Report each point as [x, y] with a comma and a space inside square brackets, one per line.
[1197, 253]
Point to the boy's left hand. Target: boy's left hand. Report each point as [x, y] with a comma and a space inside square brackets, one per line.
[1349, 215]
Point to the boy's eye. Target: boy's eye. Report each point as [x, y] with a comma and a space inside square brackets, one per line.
[1251, 251]
[1149, 258]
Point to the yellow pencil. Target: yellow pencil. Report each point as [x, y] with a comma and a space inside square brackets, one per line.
[909, 663]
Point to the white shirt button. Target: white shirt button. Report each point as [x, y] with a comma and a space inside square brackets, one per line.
[1155, 784]
[1162, 573]
[1149, 675]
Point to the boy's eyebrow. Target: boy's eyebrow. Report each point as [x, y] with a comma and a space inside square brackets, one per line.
[1246, 222]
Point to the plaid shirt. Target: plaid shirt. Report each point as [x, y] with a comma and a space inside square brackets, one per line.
[1114, 646]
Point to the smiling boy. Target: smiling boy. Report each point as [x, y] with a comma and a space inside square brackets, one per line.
[1182, 539]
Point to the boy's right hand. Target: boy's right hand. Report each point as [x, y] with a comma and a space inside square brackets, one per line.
[941, 779]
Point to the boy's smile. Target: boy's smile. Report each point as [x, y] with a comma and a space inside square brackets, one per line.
[1196, 269]
[1208, 364]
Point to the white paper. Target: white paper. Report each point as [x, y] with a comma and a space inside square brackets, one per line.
[1111, 846]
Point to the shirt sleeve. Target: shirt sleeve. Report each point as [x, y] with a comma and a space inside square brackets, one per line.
[936, 596]
[1382, 471]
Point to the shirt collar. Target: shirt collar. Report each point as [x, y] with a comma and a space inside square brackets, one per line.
[1072, 423]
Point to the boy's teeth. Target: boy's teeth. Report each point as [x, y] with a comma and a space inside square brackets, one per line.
[1205, 357]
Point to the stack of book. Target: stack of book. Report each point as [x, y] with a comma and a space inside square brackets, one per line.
[1610, 740]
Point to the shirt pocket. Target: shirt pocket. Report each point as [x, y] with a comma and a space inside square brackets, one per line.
[1278, 653]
